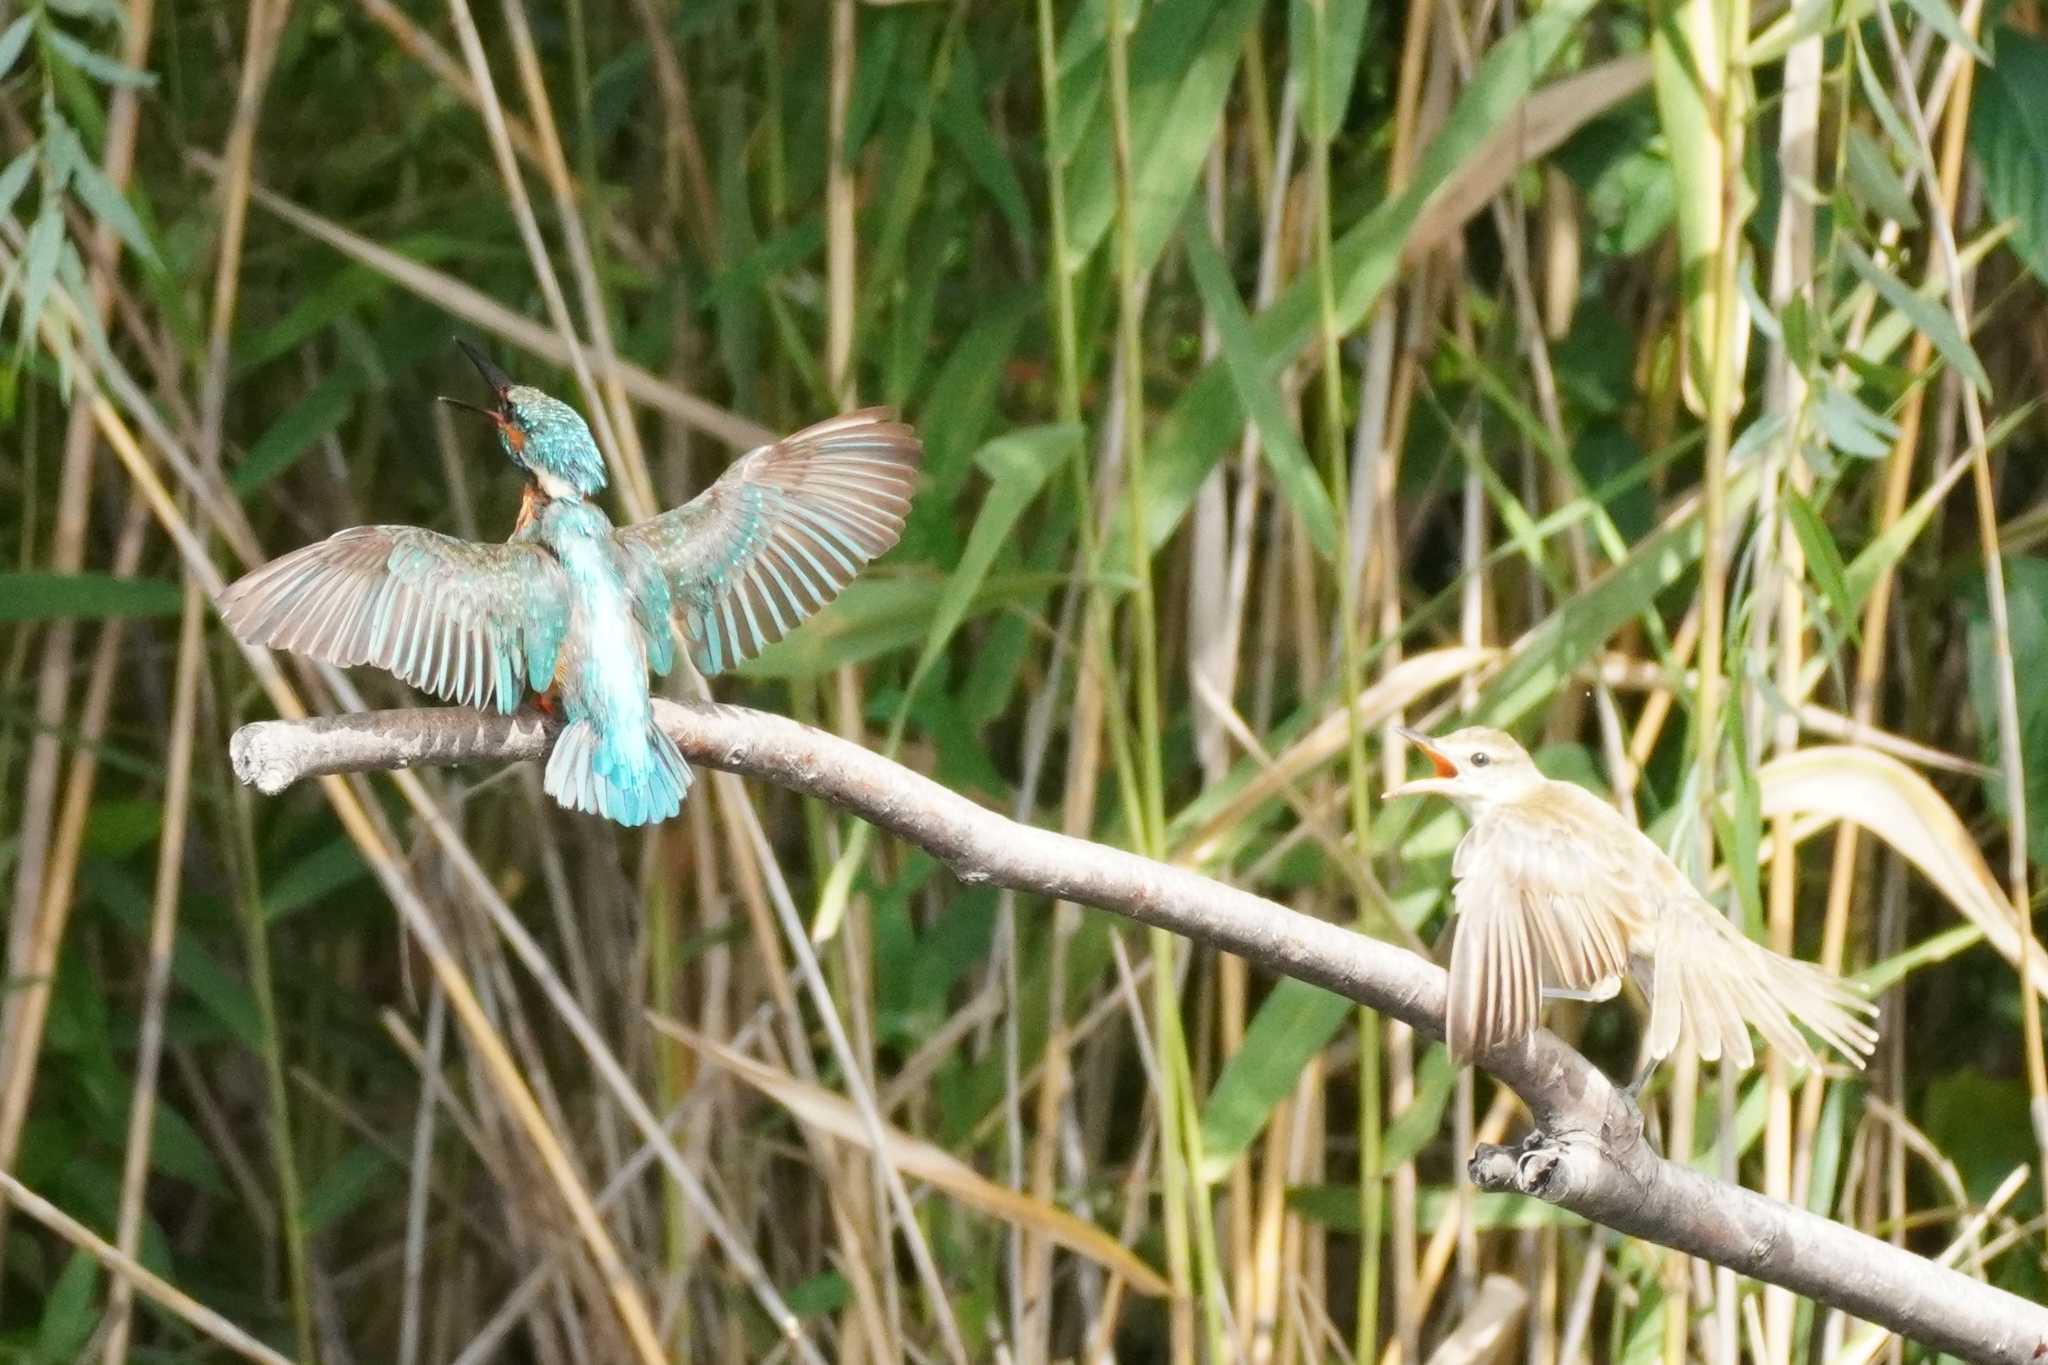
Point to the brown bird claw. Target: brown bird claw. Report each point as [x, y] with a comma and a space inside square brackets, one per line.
[1534, 1170]
[1492, 1167]
[1526, 1168]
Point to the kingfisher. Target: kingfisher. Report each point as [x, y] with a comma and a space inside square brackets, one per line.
[579, 611]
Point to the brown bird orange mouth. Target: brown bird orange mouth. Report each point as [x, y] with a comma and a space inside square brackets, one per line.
[1436, 756]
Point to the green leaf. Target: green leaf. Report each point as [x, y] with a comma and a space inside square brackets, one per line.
[1941, 17]
[69, 1312]
[875, 78]
[225, 997]
[39, 266]
[14, 39]
[877, 616]
[1193, 435]
[1879, 101]
[1823, 559]
[1017, 465]
[1979, 1123]
[957, 943]
[963, 398]
[177, 1150]
[1923, 313]
[83, 596]
[1620, 163]
[1837, 1121]
[1612, 467]
[1285, 455]
[1891, 545]
[94, 11]
[1343, 34]
[2009, 136]
[71, 274]
[118, 828]
[1080, 61]
[320, 873]
[1295, 1023]
[1423, 1119]
[959, 116]
[293, 434]
[1739, 825]
[738, 311]
[318, 306]
[778, 256]
[1876, 182]
[1886, 550]
[343, 1187]
[1549, 653]
[2026, 603]
[15, 178]
[826, 1292]
[100, 67]
[1851, 428]
[62, 149]
[1183, 59]
[113, 208]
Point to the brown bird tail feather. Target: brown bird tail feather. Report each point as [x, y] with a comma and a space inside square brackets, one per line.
[1712, 984]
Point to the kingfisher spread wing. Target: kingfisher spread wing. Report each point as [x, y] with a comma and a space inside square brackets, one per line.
[570, 603]
[475, 624]
[781, 532]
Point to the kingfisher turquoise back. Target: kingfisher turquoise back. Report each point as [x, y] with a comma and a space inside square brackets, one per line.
[611, 758]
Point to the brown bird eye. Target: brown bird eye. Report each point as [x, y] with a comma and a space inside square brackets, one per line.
[1480, 760]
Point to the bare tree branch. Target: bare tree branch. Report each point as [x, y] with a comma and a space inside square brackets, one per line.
[1587, 1154]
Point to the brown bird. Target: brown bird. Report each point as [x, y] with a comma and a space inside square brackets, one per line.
[1558, 895]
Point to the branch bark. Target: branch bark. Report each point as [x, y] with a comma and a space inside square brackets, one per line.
[1586, 1155]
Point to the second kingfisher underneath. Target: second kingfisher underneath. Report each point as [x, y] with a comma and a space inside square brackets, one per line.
[580, 611]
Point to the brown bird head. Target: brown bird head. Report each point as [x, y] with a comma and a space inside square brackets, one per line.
[1476, 767]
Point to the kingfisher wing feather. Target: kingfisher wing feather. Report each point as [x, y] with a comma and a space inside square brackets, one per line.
[781, 532]
[470, 623]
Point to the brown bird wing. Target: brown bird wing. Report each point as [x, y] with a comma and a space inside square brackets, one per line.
[1712, 984]
[1495, 988]
[1553, 894]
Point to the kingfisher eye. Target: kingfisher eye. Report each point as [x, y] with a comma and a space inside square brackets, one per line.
[1480, 760]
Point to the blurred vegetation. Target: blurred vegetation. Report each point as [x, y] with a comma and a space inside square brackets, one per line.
[1654, 381]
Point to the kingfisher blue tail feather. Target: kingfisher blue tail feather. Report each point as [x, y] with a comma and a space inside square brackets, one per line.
[571, 602]
[630, 783]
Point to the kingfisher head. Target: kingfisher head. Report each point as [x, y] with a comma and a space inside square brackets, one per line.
[1476, 767]
[543, 435]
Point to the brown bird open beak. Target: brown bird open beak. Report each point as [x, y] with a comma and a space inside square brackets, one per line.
[1441, 783]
